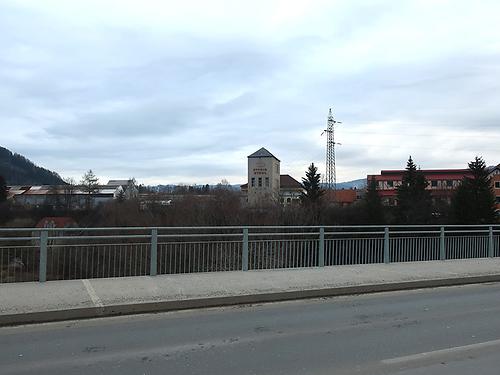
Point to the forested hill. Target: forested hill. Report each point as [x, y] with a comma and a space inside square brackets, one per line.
[17, 170]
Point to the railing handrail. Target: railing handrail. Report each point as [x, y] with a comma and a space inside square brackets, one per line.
[240, 227]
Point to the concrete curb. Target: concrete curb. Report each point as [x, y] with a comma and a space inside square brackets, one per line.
[197, 303]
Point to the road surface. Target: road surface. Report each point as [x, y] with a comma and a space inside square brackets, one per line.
[436, 331]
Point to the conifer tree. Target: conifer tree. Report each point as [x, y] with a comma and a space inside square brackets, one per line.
[474, 201]
[414, 204]
[312, 190]
[374, 210]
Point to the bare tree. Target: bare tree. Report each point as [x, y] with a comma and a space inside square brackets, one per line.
[69, 191]
[131, 190]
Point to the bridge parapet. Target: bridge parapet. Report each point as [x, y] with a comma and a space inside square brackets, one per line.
[40, 254]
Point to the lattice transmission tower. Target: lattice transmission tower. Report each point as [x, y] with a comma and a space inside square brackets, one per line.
[330, 178]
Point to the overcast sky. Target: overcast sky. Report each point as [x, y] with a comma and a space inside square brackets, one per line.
[183, 91]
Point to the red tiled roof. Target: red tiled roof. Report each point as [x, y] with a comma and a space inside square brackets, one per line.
[288, 182]
[341, 196]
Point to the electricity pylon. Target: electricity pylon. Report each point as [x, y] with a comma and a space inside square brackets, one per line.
[330, 179]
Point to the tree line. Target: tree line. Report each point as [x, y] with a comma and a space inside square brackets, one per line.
[473, 201]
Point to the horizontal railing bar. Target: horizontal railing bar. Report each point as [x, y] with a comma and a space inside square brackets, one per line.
[124, 236]
[197, 242]
[200, 235]
[49, 246]
[251, 227]
[417, 232]
[283, 234]
[18, 238]
[360, 233]
[99, 237]
[6, 248]
[467, 231]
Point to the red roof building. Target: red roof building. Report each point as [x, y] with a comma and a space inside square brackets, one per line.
[442, 182]
[343, 197]
[495, 183]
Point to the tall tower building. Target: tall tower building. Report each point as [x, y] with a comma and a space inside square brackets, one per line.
[263, 178]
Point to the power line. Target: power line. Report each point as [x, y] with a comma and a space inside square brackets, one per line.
[421, 135]
[412, 147]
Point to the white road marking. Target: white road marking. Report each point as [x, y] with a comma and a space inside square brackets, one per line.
[92, 294]
[439, 353]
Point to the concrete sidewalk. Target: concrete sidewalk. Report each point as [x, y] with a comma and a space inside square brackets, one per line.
[61, 300]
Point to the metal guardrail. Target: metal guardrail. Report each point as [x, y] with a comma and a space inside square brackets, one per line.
[40, 254]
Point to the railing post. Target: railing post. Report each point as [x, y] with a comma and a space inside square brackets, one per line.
[153, 268]
[321, 255]
[442, 249]
[490, 242]
[387, 255]
[42, 271]
[244, 255]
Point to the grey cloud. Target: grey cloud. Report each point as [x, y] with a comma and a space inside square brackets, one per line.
[128, 101]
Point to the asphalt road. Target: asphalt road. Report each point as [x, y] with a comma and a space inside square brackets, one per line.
[440, 331]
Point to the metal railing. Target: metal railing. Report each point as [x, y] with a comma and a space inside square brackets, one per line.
[41, 254]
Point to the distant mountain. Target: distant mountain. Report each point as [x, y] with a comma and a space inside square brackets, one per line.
[17, 170]
[358, 184]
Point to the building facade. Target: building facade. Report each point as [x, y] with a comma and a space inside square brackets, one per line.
[71, 196]
[263, 178]
[494, 173]
[265, 183]
[442, 183]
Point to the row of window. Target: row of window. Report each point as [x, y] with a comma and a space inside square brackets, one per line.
[433, 184]
[259, 181]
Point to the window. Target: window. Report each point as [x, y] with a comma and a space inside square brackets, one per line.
[260, 181]
[497, 184]
[449, 183]
[390, 184]
[434, 183]
[253, 181]
[267, 181]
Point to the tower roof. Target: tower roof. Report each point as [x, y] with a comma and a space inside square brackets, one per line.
[262, 153]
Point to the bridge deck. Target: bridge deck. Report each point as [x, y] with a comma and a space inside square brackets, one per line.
[99, 296]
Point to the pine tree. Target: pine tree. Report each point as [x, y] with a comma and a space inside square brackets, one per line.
[3, 189]
[474, 201]
[312, 191]
[374, 210]
[121, 196]
[414, 205]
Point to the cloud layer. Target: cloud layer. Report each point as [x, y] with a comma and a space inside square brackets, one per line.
[173, 93]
